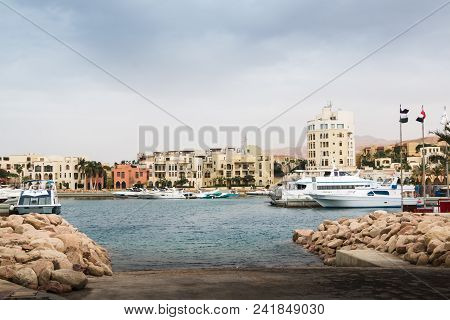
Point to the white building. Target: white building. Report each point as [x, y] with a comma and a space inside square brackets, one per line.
[62, 170]
[330, 140]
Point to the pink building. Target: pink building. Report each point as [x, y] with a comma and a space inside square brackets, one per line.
[127, 175]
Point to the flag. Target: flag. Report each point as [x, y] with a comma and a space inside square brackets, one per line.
[403, 115]
[422, 116]
[444, 118]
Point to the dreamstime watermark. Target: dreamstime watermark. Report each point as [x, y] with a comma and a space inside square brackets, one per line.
[290, 140]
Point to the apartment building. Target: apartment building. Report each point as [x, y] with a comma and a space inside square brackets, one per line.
[127, 175]
[175, 168]
[214, 167]
[63, 170]
[330, 140]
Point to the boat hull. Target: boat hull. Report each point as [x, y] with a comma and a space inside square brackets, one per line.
[337, 201]
[50, 209]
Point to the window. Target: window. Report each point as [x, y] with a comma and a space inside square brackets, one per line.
[340, 126]
[323, 126]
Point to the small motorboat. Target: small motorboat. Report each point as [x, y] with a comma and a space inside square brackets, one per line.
[38, 196]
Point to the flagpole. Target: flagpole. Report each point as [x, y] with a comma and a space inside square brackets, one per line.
[401, 164]
[423, 161]
[446, 154]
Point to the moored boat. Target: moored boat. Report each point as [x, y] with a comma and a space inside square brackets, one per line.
[38, 196]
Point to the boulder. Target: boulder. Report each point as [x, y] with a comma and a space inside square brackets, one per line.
[54, 219]
[58, 244]
[42, 243]
[24, 228]
[76, 280]
[437, 232]
[73, 241]
[447, 262]
[433, 244]
[419, 247]
[43, 270]
[336, 243]
[36, 223]
[56, 287]
[356, 227]
[437, 252]
[7, 272]
[62, 263]
[26, 278]
[5, 230]
[422, 259]
[94, 270]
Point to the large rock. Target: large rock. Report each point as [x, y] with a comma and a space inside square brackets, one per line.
[336, 243]
[72, 241]
[24, 228]
[7, 272]
[36, 223]
[56, 287]
[43, 270]
[26, 277]
[76, 280]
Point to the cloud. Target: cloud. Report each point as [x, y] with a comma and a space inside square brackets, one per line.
[211, 62]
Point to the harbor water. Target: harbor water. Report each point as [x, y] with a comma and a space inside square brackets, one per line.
[160, 234]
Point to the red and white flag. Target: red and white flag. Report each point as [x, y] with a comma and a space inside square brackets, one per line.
[422, 116]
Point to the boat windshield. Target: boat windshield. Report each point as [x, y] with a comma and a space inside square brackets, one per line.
[301, 186]
[34, 201]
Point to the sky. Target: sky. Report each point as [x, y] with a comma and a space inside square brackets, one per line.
[212, 63]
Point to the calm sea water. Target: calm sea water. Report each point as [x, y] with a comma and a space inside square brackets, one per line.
[158, 234]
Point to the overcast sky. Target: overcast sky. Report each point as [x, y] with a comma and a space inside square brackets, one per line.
[212, 63]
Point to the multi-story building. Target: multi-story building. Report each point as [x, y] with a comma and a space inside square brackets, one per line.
[330, 140]
[214, 167]
[231, 166]
[63, 170]
[173, 168]
[127, 175]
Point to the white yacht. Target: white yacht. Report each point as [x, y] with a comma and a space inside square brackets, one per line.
[166, 194]
[297, 194]
[381, 196]
[129, 193]
[331, 186]
[38, 196]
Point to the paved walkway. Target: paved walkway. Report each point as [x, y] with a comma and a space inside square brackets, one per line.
[304, 283]
[11, 291]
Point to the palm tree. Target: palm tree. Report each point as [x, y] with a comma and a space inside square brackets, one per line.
[237, 180]
[437, 171]
[248, 179]
[81, 167]
[417, 172]
[19, 170]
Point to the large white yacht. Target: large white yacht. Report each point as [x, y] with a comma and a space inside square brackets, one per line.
[330, 186]
[297, 194]
[386, 195]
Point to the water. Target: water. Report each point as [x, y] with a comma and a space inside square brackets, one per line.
[158, 234]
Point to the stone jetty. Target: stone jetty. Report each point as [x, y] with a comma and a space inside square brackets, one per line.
[419, 239]
[45, 252]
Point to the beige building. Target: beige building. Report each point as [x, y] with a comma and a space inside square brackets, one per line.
[60, 169]
[330, 140]
[175, 167]
[214, 167]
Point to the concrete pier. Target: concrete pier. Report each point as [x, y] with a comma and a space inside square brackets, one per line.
[369, 258]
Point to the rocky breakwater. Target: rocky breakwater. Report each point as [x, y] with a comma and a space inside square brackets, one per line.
[417, 238]
[45, 252]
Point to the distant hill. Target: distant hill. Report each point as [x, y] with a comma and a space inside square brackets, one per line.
[367, 141]
[360, 141]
